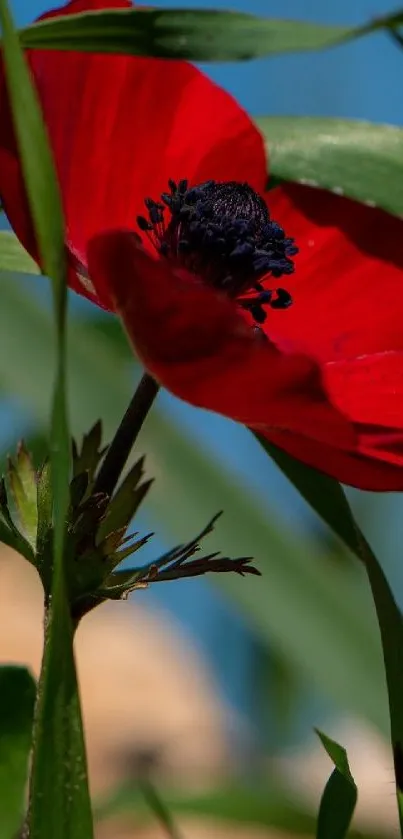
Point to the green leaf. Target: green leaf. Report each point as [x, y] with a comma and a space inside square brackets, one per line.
[340, 794]
[45, 523]
[9, 533]
[22, 481]
[87, 458]
[17, 699]
[360, 160]
[201, 35]
[327, 498]
[125, 500]
[13, 257]
[36, 159]
[59, 802]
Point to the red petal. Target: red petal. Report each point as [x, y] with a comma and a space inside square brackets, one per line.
[369, 389]
[197, 345]
[348, 299]
[120, 127]
[362, 469]
[348, 284]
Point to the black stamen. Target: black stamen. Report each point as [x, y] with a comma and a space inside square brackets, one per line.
[223, 233]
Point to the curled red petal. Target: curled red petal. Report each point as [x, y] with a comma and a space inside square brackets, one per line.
[195, 343]
[120, 127]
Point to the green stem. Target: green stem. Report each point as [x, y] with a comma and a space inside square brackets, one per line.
[126, 435]
[59, 803]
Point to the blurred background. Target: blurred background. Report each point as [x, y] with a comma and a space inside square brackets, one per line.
[215, 687]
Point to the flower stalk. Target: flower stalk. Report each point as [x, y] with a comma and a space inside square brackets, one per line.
[126, 435]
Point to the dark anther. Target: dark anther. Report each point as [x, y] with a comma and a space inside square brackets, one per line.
[283, 299]
[223, 233]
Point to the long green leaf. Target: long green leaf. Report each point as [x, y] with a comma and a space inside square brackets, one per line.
[339, 797]
[17, 698]
[201, 35]
[13, 257]
[358, 159]
[328, 499]
[59, 797]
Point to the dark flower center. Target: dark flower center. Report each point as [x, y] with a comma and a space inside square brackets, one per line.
[223, 233]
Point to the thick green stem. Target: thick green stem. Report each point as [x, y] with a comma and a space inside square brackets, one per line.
[59, 803]
[126, 435]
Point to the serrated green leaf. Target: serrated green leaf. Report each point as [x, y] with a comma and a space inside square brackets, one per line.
[22, 481]
[26, 473]
[200, 34]
[13, 257]
[45, 524]
[17, 699]
[360, 160]
[340, 794]
[121, 583]
[125, 501]
[91, 453]
[9, 533]
[124, 552]
[78, 489]
[90, 513]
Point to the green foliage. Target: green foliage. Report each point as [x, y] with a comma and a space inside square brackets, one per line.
[17, 697]
[97, 538]
[327, 498]
[360, 160]
[22, 482]
[13, 257]
[59, 802]
[339, 797]
[269, 805]
[201, 35]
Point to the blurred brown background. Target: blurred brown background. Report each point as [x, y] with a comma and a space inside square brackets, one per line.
[150, 700]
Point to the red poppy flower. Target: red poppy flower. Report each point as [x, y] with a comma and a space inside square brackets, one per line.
[305, 347]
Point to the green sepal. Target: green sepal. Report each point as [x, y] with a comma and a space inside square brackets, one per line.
[22, 482]
[44, 535]
[96, 538]
[9, 532]
[174, 564]
[126, 500]
[91, 453]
